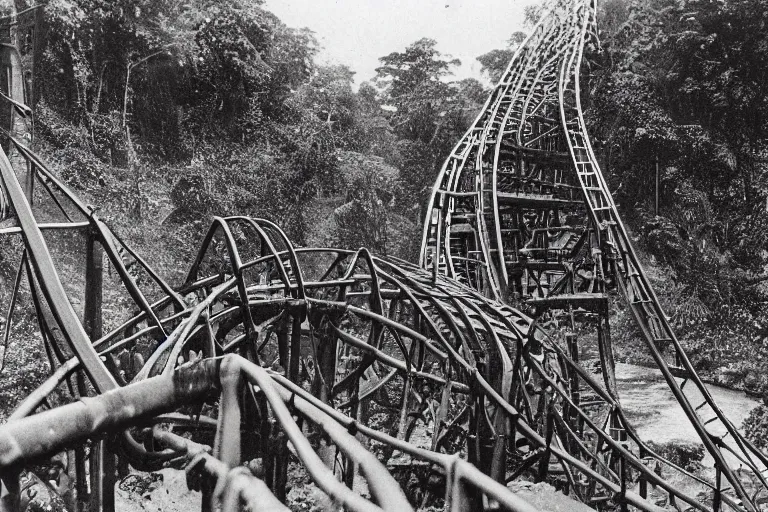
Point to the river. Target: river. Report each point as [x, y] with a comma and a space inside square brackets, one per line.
[654, 412]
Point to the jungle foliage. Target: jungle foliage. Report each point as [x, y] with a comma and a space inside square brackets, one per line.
[232, 106]
[681, 84]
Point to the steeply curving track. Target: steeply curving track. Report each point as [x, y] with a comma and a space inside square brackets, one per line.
[521, 212]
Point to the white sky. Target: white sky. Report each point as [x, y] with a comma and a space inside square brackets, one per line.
[358, 32]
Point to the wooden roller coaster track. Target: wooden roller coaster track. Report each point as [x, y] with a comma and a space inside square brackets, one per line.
[434, 385]
[521, 212]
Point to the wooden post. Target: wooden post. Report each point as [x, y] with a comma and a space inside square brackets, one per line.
[571, 415]
[573, 348]
[325, 373]
[643, 481]
[656, 209]
[81, 478]
[605, 347]
[717, 498]
[94, 278]
[103, 468]
[547, 454]
[623, 475]
[102, 460]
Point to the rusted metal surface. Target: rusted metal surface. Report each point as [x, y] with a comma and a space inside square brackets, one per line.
[392, 386]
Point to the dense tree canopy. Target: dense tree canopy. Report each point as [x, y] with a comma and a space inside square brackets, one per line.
[683, 82]
[233, 101]
[427, 113]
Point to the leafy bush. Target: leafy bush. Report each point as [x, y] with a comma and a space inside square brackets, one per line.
[756, 426]
[686, 455]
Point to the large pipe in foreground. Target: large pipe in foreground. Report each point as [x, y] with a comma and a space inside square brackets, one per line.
[50, 431]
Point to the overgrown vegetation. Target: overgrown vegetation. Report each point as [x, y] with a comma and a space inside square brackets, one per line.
[681, 84]
[224, 107]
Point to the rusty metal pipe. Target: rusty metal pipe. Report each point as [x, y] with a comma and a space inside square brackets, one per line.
[386, 491]
[47, 432]
[320, 473]
[242, 487]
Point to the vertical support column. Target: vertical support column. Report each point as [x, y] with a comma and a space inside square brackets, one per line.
[543, 469]
[573, 352]
[103, 467]
[605, 347]
[254, 406]
[283, 343]
[717, 500]
[325, 371]
[623, 475]
[11, 488]
[298, 313]
[102, 459]
[571, 416]
[499, 461]
[349, 467]
[643, 481]
[81, 475]
[656, 204]
[280, 478]
[292, 365]
[94, 279]
[266, 425]
[415, 349]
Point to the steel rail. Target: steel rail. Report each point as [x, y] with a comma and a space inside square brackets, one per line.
[472, 356]
[495, 134]
[569, 74]
[546, 80]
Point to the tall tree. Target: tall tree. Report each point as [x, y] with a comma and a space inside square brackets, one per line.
[416, 92]
[495, 62]
[413, 83]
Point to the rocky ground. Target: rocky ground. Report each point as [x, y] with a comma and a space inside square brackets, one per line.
[163, 491]
[166, 491]
[546, 499]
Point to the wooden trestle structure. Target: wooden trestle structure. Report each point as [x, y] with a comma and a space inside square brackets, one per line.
[521, 212]
[437, 385]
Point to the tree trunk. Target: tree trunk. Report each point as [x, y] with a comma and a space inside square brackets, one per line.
[746, 169]
[19, 127]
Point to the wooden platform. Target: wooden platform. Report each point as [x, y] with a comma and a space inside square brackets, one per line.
[588, 301]
[534, 200]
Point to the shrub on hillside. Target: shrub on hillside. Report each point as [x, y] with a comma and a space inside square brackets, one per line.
[191, 196]
[755, 426]
[80, 168]
[685, 454]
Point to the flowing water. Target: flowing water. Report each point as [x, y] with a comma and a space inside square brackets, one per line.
[654, 412]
